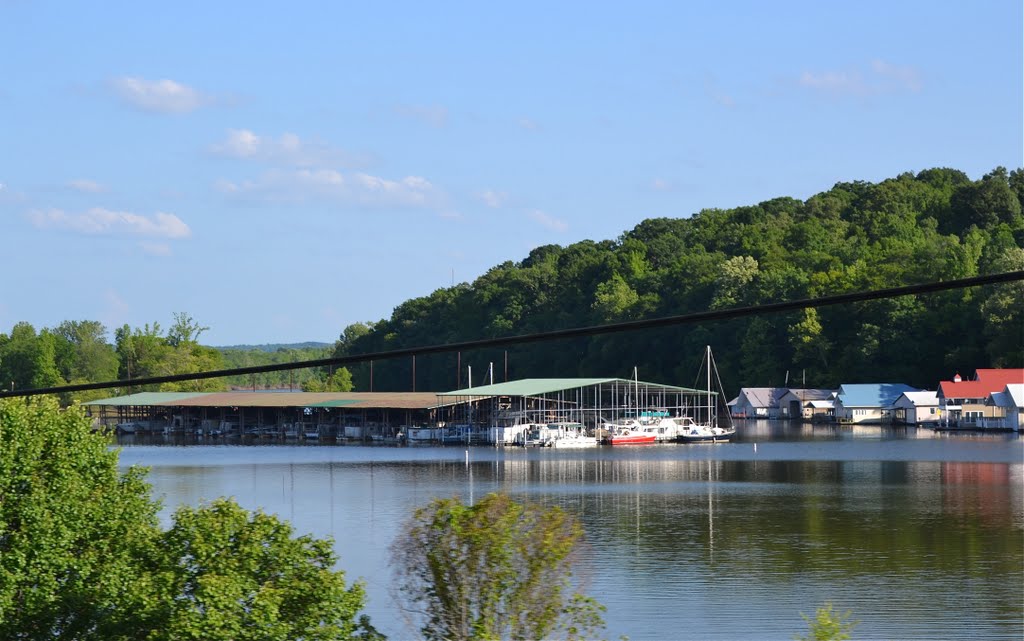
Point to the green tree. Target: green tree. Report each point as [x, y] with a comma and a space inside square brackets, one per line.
[73, 529]
[828, 625]
[184, 330]
[494, 570]
[82, 556]
[339, 381]
[27, 359]
[226, 574]
[85, 356]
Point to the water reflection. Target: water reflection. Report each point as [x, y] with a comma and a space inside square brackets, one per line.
[920, 537]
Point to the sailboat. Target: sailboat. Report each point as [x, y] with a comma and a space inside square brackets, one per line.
[705, 428]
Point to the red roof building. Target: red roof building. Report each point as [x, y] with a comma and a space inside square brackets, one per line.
[966, 400]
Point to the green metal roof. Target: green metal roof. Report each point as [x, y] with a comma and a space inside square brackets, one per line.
[146, 398]
[539, 386]
[335, 403]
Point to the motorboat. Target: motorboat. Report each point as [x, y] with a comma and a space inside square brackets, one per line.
[629, 432]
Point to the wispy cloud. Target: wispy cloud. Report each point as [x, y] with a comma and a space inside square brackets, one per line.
[493, 199]
[158, 96]
[334, 186]
[286, 149]
[879, 77]
[86, 186]
[545, 220]
[903, 76]
[660, 184]
[99, 221]
[433, 115]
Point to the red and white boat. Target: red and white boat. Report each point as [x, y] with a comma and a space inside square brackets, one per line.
[629, 432]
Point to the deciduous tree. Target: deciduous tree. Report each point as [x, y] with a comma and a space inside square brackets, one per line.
[497, 569]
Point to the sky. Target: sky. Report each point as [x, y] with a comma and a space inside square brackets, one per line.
[280, 171]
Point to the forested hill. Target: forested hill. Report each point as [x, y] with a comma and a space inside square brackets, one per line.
[935, 225]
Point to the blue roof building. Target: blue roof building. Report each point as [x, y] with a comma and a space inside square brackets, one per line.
[868, 402]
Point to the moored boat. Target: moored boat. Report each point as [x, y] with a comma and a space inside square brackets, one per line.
[629, 432]
[706, 428]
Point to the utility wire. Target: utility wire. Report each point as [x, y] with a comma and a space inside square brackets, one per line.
[577, 332]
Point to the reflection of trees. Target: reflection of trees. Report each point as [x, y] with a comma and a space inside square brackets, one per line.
[778, 519]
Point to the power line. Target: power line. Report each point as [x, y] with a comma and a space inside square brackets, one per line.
[578, 332]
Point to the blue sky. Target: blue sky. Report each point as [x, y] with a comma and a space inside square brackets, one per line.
[281, 170]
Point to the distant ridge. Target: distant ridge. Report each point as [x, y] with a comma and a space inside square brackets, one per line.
[273, 347]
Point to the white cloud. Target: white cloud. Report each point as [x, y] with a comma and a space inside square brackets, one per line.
[287, 149]
[879, 77]
[659, 184]
[99, 221]
[904, 76]
[547, 221]
[240, 143]
[493, 199]
[160, 96]
[87, 186]
[331, 185]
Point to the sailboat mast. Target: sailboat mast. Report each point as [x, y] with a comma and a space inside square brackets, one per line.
[708, 388]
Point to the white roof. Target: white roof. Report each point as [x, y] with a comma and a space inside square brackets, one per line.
[924, 398]
[1012, 396]
[823, 405]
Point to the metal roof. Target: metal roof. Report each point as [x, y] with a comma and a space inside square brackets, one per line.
[146, 398]
[348, 400]
[541, 386]
[872, 394]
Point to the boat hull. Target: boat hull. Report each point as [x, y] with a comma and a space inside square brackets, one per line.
[701, 436]
[638, 439]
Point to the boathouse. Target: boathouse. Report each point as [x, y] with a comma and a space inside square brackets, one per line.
[965, 403]
[354, 415]
[504, 410]
[917, 408]
[868, 402]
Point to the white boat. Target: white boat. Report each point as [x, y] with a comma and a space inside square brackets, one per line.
[570, 435]
[706, 428]
[424, 434]
[509, 428]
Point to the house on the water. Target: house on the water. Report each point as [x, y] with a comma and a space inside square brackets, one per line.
[966, 403]
[757, 402]
[917, 408]
[807, 404]
[1011, 402]
[868, 402]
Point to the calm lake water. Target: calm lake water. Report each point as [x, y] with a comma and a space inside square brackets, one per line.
[920, 535]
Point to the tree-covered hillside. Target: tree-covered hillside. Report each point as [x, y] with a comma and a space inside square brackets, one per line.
[859, 236]
[936, 225]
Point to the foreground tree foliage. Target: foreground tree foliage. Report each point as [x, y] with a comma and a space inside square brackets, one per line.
[494, 570]
[82, 555]
[74, 532]
[226, 574]
[828, 625]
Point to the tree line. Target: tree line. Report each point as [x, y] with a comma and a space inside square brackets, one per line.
[937, 224]
[79, 352]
